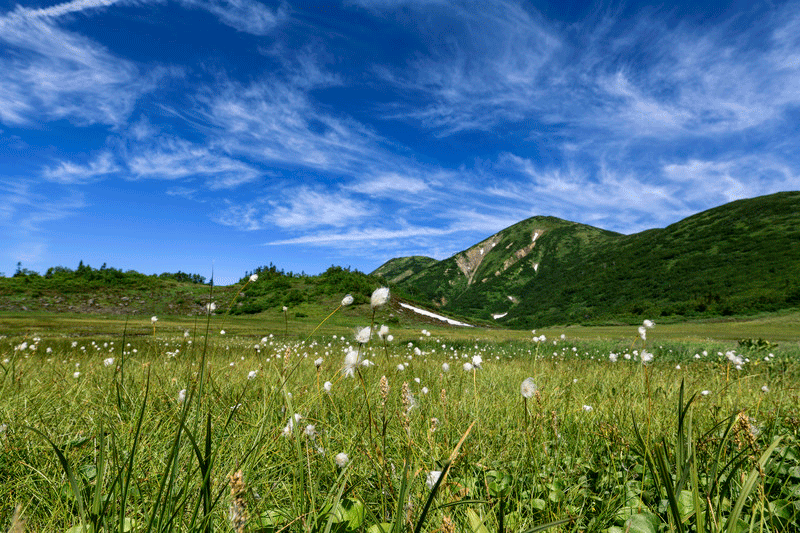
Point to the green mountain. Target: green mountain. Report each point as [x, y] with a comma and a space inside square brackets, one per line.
[739, 258]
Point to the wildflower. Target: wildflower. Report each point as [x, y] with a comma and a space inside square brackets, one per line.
[153, 319]
[76, 375]
[347, 300]
[108, 361]
[287, 430]
[3, 428]
[705, 392]
[327, 386]
[764, 389]
[425, 390]
[649, 324]
[318, 362]
[445, 367]
[432, 477]
[363, 335]
[389, 338]
[400, 367]
[350, 363]
[588, 408]
[613, 357]
[379, 297]
[210, 307]
[646, 357]
[468, 367]
[222, 332]
[285, 308]
[310, 431]
[528, 388]
[182, 395]
[252, 374]
[341, 459]
[253, 278]
[643, 332]
[383, 332]
[477, 360]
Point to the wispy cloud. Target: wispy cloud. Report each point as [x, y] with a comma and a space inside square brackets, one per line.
[170, 158]
[248, 16]
[48, 73]
[298, 209]
[25, 210]
[71, 173]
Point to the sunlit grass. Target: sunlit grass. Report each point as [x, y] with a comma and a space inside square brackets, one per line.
[139, 449]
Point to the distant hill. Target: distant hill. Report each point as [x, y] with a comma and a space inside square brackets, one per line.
[112, 291]
[739, 258]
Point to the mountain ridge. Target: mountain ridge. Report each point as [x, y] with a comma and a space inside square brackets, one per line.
[741, 257]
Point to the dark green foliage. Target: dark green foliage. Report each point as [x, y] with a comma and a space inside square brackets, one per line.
[738, 259]
[275, 288]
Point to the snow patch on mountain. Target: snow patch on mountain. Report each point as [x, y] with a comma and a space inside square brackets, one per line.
[423, 312]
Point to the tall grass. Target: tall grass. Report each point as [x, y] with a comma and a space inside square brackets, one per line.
[211, 432]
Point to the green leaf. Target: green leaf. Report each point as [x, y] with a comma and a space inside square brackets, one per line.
[685, 504]
[476, 525]
[538, 504]
[642, 523]
[270, 521]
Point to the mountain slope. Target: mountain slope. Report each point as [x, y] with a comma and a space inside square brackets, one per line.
[738, 258]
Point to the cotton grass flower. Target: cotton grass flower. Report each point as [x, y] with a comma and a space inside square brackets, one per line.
[379, 297]
[528, 388]
[108, 361]
[347, 300]
[252, 374]
[327, 386]
[363, 335]
[153, 319]
[341, 459]
[181, 395]
[468, 367]
[432, 477]
[253, 278]
[445, 367]
[350, 364]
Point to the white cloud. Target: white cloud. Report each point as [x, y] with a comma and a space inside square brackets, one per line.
[65, 8]
[247, 16]
[49, 74]
[70, 173]
[363, 236]
[483, 66]
[170, 158]
[389, 184]
[25, 211]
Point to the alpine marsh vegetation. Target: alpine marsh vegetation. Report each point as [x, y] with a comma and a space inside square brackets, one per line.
[189, 429]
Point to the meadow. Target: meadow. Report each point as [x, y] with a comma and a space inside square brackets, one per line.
[324, 419]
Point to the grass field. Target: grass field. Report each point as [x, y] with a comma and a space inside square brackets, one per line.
[286, 422]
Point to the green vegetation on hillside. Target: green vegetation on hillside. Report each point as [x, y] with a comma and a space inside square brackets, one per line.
[276, 288]
[738, 259]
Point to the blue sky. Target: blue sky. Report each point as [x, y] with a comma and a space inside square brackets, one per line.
[162, 135]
